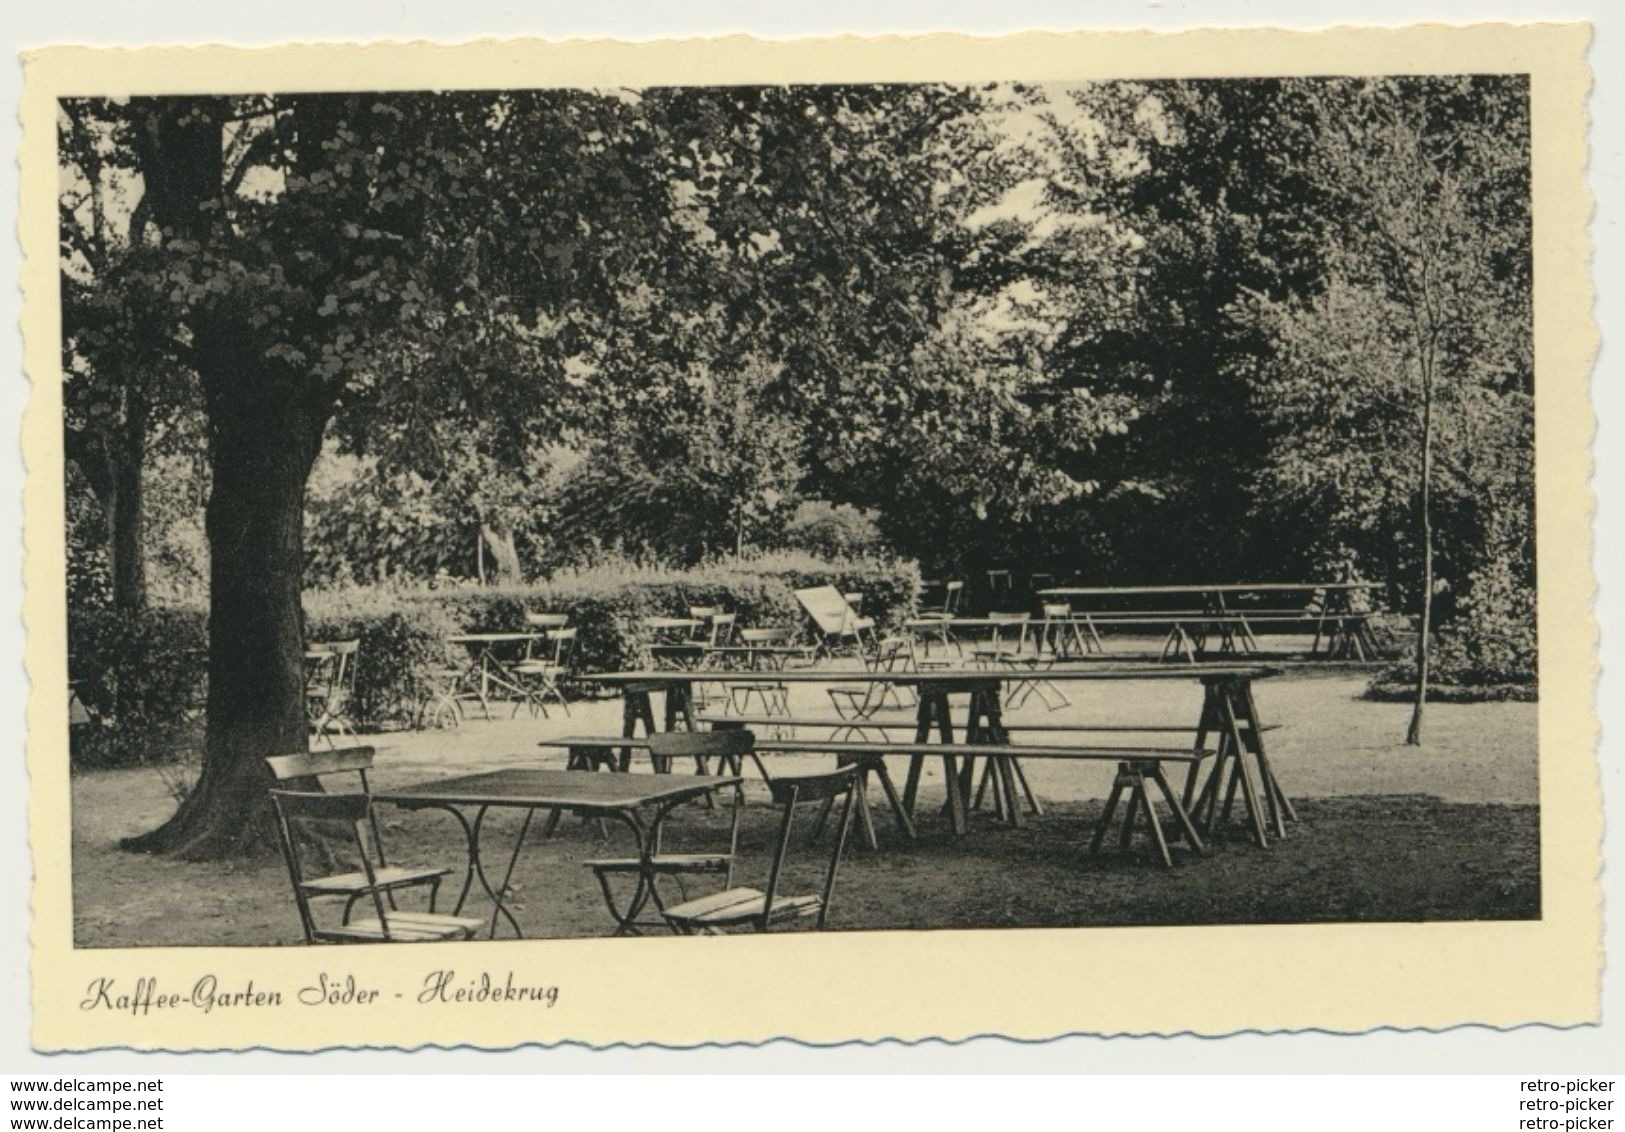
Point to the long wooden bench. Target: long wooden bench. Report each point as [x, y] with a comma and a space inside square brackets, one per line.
[1136, 766]
[897, 719]
[608, 744]
[1346, 631]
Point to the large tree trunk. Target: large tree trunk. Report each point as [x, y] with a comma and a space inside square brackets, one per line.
[504, 555]
[265, 424]
[262, 455]
[125, 529]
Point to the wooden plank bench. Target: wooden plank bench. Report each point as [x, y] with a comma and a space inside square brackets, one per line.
[1136, 768]
[1285, 617]
[878, 722]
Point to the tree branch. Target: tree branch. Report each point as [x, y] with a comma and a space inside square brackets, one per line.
[260, 148]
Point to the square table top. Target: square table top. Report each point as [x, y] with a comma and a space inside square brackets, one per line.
[566, 789]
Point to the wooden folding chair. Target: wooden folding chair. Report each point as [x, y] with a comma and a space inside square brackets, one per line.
[730, 748]
[1008, 637]
[761, 909]
[542, 622]
[713, 640]
[1000, 589]
[1060, 632]
[542, 674]
[354, 884]
[773, 695]
[388, 924]
[701, 615]
[837, 626]
[858, 703]
[330, 668]
[944, 612]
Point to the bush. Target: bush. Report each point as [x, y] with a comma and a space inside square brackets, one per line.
[1492, 640]
[141, 679]
[833, 531]
[1486, 652]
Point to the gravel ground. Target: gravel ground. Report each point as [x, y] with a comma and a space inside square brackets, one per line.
[1447, 831]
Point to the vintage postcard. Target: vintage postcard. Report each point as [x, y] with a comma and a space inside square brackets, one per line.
[712, 541]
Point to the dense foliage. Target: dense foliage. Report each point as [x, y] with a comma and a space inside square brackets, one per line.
[1133, 331]
[833, 530]
[139, 679]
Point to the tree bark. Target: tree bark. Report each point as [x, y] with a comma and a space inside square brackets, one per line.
[504, 555]
[1413, 735]
[263, 449]
[265, 419]
[124, 508]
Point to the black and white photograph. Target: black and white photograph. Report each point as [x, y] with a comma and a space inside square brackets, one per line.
[588, 523]
[544, 513]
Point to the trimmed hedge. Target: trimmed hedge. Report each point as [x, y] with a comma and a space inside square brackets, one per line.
[141, 681]
[142, 678]
[607, 603]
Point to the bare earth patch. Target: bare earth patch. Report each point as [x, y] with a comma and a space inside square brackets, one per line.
[1447, 832]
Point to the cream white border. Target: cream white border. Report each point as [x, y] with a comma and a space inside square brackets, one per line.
[1210, 980]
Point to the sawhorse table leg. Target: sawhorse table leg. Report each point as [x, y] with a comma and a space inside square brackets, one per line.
[1132, 776]
[1229, 710]
[985, 725]
[932, 714]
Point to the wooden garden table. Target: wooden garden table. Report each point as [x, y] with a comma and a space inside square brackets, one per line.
[672, 624]
[1229, 713]
[1199, 589]
[761, 658]
[1218, 615]
[639, 802]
